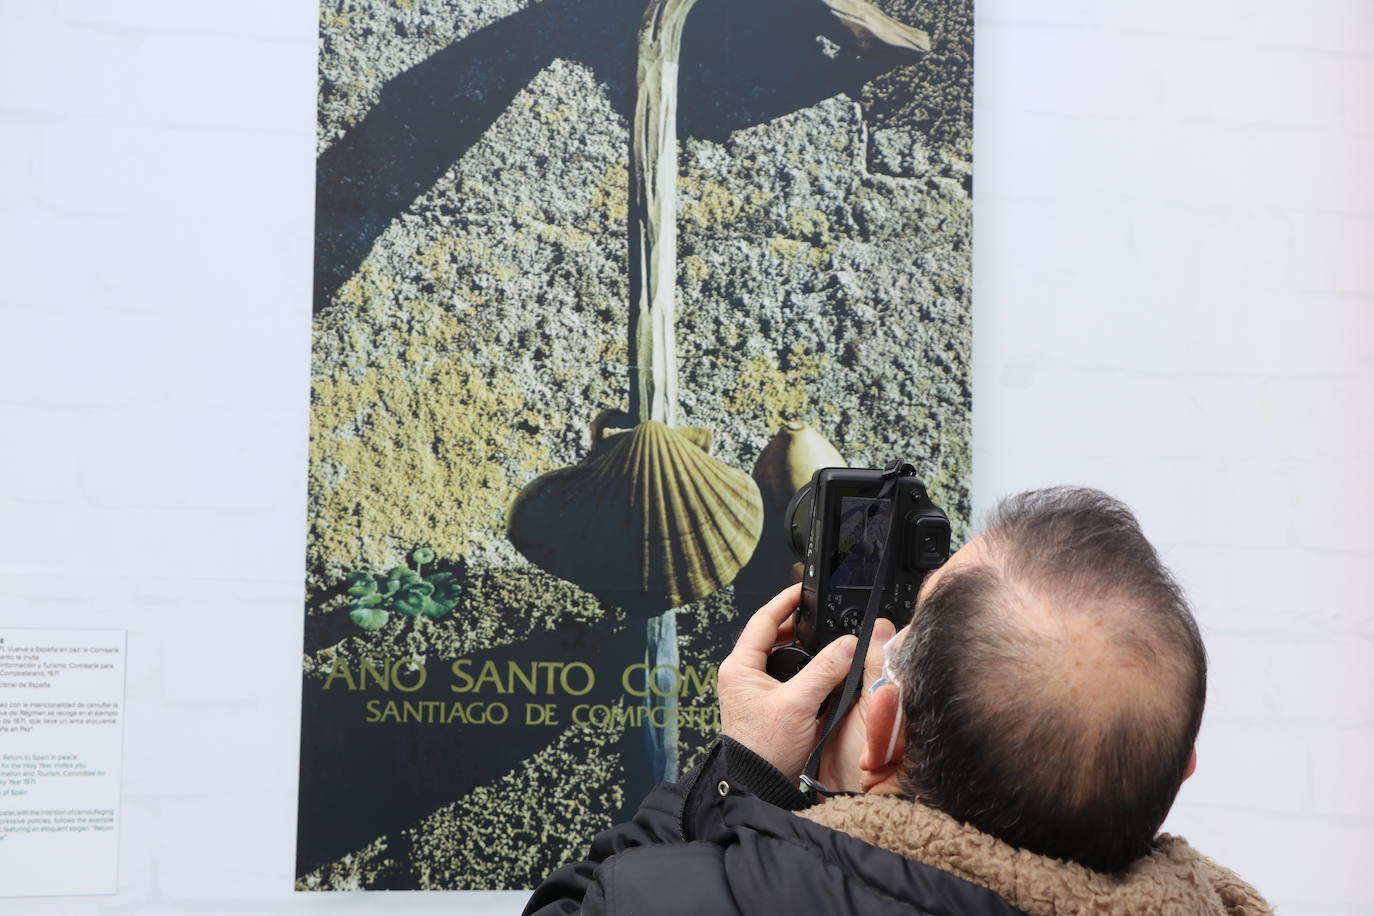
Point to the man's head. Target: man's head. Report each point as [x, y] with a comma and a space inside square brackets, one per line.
[1053, 681]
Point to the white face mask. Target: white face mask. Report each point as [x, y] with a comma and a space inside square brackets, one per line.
[888, 677]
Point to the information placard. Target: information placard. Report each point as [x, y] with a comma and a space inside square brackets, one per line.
[61, 743]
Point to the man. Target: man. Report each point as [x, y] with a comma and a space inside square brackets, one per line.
[1017, 749]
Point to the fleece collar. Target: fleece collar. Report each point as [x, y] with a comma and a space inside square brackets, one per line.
[1172, 879]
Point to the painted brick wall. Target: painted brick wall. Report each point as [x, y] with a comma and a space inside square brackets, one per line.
[1175, 302]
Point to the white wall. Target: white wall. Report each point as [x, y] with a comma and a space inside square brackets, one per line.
[1175, 302]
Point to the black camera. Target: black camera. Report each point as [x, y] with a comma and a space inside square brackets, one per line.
[839, 525]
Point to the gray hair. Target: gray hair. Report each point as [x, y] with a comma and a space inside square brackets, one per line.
[1055, 687]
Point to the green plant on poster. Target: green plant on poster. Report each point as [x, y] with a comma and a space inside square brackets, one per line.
[401, 590]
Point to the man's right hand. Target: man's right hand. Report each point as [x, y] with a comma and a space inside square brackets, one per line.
[775, 719]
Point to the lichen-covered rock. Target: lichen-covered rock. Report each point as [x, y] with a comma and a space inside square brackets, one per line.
[454, 847]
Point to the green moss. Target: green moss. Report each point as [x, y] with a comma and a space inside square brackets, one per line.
[775, 394]
[423, 448]
[694, 268]
[450, 262]
[555, 233]
[706, 202]
[811, 225]
[558, 116]
[540, 815]
[786, 249]
[611, 199]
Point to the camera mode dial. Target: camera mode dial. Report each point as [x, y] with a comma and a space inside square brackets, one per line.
[851, 618]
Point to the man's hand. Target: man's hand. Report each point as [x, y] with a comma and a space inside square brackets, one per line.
[775, 719]
[840, 768]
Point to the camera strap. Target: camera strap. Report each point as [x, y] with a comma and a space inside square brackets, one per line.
[882, 584]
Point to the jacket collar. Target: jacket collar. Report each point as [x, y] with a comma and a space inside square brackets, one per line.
[1173, 878]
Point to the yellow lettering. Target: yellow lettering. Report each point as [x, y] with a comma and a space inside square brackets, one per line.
[490, 674]
[340, 670]
[549, 669]
[398, 666]
[589, 675]
[514, 672]
[460, 670]
[383, 677]
[658, 685]
[625, 681]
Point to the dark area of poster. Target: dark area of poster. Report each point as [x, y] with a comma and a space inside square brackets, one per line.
[563, 385]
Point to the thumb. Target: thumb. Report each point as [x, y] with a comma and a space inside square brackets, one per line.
[823, 673]
[883, 630]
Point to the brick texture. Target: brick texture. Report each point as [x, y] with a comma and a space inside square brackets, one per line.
[1174, 301]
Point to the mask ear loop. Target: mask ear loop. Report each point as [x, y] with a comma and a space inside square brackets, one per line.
[813, 786]
[897, 725]
[883, 679]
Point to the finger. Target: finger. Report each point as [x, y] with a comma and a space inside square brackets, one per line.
[823, 673]
[761, 632]
[883, 630]
[786, 631]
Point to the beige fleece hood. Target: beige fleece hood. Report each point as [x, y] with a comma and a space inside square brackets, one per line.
[1174, 879]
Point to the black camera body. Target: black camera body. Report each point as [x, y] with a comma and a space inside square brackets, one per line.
[838, 525]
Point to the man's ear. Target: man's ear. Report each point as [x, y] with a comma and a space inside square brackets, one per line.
[885, 737]
[1192, 765]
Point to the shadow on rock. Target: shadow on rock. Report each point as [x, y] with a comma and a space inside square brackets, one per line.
[742, 64]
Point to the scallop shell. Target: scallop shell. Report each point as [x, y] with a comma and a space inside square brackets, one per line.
[784, 466]
[788, 461]
[649, 521]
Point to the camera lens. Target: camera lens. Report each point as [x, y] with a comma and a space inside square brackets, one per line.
[797, 520]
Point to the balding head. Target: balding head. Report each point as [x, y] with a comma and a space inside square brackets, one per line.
[1055, 681]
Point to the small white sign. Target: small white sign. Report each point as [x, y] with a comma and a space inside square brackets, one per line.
[61, 744]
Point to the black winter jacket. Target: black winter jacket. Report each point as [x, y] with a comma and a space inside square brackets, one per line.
[711, 845]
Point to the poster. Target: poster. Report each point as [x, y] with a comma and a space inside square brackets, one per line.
[598, 283]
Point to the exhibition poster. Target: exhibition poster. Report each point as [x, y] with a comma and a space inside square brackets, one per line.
[598, 285]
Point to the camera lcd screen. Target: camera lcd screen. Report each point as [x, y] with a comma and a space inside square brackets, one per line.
[862, 531]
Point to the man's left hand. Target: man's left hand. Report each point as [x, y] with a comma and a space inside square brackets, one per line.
[777, 719]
